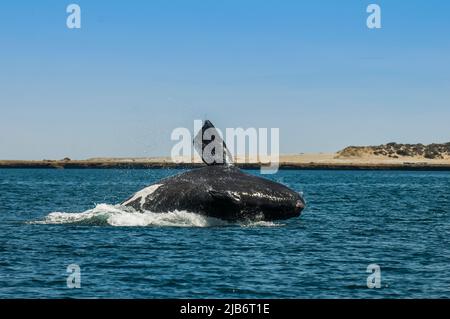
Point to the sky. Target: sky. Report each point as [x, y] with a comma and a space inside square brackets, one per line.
[136, 70]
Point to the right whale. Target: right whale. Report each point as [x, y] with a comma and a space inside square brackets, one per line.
[219, 190]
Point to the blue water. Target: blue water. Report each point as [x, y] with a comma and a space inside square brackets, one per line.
[398, 220]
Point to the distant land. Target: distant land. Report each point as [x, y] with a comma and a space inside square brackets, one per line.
[386, 156]
[394, 150]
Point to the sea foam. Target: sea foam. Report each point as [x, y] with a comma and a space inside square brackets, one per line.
[118, 215]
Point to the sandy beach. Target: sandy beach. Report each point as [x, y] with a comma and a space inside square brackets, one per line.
[299, 161]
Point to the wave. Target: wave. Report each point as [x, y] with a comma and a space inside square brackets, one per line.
[117, 215]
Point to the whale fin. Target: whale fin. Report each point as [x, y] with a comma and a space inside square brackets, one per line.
[207, 151]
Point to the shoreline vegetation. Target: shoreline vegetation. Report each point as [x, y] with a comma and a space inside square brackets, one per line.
[389, 156]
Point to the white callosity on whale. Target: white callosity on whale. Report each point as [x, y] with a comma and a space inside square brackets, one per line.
[140, 197]
[219, 190]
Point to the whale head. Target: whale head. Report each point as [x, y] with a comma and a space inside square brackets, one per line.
[249, 196]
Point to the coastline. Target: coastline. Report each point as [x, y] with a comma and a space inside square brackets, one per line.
[329, 161]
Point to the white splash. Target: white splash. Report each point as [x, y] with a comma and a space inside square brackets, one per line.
[118, 215]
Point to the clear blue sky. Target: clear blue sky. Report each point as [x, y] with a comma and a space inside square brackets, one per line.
[138, 69]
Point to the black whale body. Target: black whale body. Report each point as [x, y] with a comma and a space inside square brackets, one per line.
[220, 191]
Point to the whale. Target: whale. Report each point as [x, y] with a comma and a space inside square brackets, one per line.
[220, 190]
[223, 192]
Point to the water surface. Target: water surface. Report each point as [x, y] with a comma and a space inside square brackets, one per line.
[50, 219]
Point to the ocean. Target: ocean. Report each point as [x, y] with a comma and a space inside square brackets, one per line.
[392, 227]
